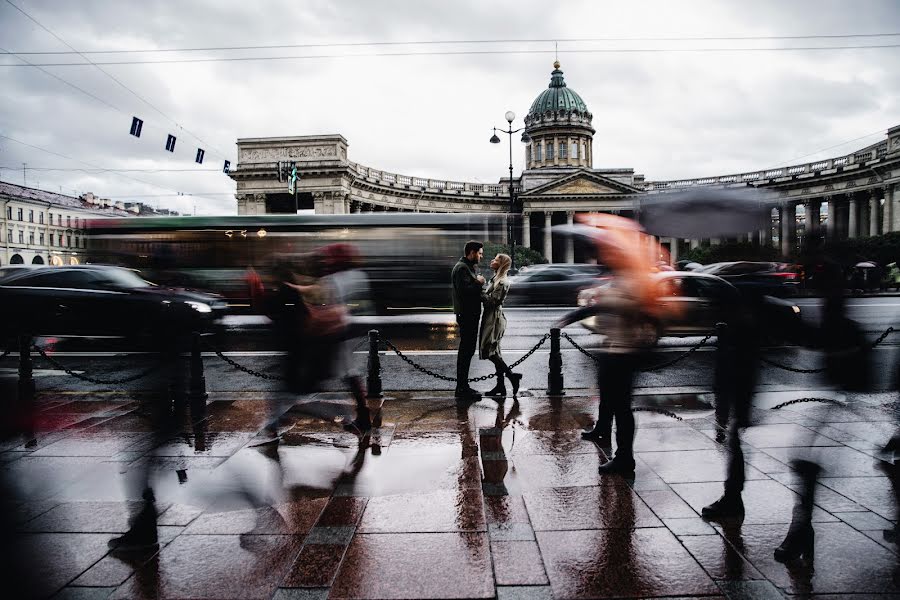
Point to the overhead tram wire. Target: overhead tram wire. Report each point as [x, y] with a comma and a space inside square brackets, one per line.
[151, 184]
[456, 53]
[109, 75]
[113, 170]
[472, 42]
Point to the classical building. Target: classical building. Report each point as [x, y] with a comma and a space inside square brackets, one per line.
[851, 195]
[41, 227]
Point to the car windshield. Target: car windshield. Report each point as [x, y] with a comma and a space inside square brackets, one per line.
[123, 278]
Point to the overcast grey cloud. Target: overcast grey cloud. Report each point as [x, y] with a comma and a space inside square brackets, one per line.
[666, 114]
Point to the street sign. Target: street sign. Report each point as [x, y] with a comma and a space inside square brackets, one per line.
[292, 180]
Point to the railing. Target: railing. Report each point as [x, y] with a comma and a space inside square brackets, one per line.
[860, 156]
[393, 179]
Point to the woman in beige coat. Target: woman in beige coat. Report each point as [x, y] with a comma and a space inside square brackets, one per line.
[493, 326]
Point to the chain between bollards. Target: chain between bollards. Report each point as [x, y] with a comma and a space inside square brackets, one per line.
[68, 371]
[431, 373]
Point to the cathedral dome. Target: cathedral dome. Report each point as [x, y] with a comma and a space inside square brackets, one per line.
[557, 98]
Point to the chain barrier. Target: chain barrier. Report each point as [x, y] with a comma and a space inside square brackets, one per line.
[427, 371]
[247, 370]
[799, 400]
[880, 339]
[661, 411]
[696, 347]
[650, 368]
[130, 378]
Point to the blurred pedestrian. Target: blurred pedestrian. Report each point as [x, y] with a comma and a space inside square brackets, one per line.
[628, 333]
[346, 284]
[493, 326]
[467, 285]
[736, 369]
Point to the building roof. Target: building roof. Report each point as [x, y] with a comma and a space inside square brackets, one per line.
[558, 97]
[100, 207]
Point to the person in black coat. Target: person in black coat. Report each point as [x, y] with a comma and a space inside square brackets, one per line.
[467, 287]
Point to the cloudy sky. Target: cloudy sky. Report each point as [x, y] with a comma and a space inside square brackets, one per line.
[659, 106]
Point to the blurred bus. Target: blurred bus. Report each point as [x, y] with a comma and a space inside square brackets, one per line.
[406, 256]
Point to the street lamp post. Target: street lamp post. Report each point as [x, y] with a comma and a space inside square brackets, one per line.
[510, 227]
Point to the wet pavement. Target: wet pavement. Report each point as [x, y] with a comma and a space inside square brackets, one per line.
[449, 501]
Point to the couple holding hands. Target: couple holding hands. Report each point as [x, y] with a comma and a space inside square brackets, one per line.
[469, 294]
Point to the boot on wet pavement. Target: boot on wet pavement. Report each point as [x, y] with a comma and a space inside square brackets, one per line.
[602, 436]
[498, 391]
[729, 506]
[142, 536]
[514, 379]
[618, 466]
[799, 543]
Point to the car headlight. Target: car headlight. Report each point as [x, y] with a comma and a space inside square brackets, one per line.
[200, 307]
[796, 309]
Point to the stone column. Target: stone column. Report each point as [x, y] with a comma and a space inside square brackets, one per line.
[894, 199]
[673, 251]
[548, 238]
[887, 213]
[831, 223]
[790, 220]
[355, 208]
[570, 240]
[813, 214]
[853, 219]
[526, 230]
[874, 217]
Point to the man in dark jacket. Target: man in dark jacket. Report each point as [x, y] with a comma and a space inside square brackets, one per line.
[467, 284]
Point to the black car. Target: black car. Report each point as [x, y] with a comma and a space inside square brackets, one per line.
[557, 284]
[763, 278]
[94, 300]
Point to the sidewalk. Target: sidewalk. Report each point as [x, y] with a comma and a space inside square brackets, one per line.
[435, 505]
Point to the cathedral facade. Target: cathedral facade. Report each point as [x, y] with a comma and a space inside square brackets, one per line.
[850, 195]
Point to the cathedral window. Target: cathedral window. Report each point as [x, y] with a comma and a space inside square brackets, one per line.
[563, 150]
[550, 151]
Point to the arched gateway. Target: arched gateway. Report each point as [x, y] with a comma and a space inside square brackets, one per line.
[852, 195]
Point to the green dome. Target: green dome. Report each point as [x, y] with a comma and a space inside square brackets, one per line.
[557, 97]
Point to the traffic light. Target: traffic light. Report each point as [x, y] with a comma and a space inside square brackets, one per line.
[279, 172]
[170, 143]
[199, 159]
[227, 166]
[292, 180]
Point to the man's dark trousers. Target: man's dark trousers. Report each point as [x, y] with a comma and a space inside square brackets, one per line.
[468, 341]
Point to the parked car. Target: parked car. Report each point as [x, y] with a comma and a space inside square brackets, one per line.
[766, 278]
[692, 304]
[554, 284]
[98, 300]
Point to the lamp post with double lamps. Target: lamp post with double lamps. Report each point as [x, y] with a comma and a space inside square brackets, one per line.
[510, 227]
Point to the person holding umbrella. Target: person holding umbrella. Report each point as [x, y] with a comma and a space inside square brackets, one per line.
[625, 312]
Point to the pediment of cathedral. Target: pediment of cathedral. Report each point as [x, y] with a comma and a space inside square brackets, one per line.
[583, 183]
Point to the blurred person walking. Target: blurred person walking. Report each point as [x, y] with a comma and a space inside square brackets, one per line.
[467, 285]
[493, 326]
[628, 334]
[736, 368]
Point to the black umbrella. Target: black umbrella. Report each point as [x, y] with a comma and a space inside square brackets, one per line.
[706, 212]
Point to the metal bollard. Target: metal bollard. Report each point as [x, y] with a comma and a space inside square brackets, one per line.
[26, 379]
[373, 379]
[197, 387]
[555, 383]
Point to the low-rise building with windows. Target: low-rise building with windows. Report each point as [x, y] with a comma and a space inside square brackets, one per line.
[41, 227]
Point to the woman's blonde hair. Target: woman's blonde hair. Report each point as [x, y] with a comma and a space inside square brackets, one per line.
[505, 264]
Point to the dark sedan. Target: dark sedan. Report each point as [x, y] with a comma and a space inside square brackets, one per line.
[693, 303]
[764, 278]
[553, 284]
[93, 300]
